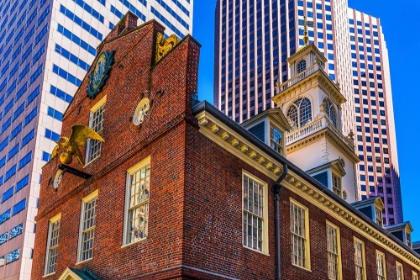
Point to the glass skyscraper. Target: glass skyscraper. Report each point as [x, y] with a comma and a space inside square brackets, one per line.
[46, 48]
[374, 114]
[252, 42]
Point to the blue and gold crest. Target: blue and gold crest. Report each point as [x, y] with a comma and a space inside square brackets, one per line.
[99, 75]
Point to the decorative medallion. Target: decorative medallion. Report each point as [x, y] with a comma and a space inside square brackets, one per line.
[100, 73]
[164, 46]
[141, 111]
[57, 179]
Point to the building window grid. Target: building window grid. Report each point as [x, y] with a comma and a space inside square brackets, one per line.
[380, 263]
[333, 253]
[299, 238]
[300, 112]
[97, 124]
[400, 273]
[88, 229]
[276, 139]
[52, 247]
[138, 208]
[378, 216]
[359, 260]
[253, 217]
[336, 185]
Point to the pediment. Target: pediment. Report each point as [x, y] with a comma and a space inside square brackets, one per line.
[78, 274]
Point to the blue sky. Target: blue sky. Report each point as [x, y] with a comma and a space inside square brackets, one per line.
[401, 26]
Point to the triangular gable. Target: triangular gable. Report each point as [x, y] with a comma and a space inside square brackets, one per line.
[379, 203]
[77, 274]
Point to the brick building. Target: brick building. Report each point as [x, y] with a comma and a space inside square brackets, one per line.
[180, 191]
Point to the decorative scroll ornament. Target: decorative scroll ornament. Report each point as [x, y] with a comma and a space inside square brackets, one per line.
[164, 46]
[291, 123]
[100, 73]
[70, 146]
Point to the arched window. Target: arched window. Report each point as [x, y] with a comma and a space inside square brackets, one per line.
[329, 109]
[300, 112]
[301, 66]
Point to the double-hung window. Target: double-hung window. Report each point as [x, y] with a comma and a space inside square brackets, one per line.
[276, 139]
[254, 213]
[378, 216]
[52, 244]
[414, 276]
[380, 265]
[359, 259]
[96, 122]
[334, 252]
[299, 227]
[336, 185]
[400, 271]
[137, 202]
[87, 227]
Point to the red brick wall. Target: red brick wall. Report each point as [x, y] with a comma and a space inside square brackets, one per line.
[195, 219]
[213, 223]
[162, 136]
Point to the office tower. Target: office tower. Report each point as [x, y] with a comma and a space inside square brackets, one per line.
[252, 42]
[46, 48]
[378, 172]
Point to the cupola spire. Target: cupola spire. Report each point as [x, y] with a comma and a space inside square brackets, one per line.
[305, 30]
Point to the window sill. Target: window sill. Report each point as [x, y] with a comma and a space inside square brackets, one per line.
[256, 251]
[48, 275]
[90, 162]
[304, 268]
[81, 262]
[133, 243]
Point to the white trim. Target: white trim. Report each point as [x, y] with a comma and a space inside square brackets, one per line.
[146, 161]
[86, 199]
[398, 264]
[307, 264]
[51, 221]
[355, 239]
[265, 241]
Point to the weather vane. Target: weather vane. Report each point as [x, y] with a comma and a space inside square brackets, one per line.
[306, 24]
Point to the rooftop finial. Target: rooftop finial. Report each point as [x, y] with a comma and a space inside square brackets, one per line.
[305, 30]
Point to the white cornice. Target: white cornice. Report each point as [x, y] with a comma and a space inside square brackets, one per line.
[245, 150]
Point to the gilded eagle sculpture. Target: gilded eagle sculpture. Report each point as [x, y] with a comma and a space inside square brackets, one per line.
[70, 146]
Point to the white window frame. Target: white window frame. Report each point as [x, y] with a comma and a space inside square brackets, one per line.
[378, 216]
[100, 105]
[399, 276]
[334, 252]
[361, 265]
[307, 256]
[380, 268]
[91, 197]
[339, 180]
[132, 170]
[51, 249]
[265, 242]
[414, 275]
[278, 147]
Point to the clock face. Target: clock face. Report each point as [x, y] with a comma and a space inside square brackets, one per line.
[58, 177]
[141, 111]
